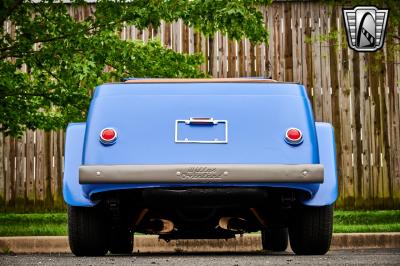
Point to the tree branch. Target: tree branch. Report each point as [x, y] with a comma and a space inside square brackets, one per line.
[47, 70]
[55, 38]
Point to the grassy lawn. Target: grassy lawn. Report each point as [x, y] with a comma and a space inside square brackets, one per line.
[33, 224]
[55, 224]
[366, 221]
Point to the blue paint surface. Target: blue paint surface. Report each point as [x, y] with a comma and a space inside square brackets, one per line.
[72, 190]
[144, 116]
[208, 132]
[328, 191]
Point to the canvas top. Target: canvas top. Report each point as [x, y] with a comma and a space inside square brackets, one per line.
[211, 80]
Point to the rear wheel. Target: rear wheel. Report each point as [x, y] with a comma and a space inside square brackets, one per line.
[86, 231]
[275, 239]
[121, 241]
[310, 230]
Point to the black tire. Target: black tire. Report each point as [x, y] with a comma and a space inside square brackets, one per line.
[87, 231]
[121, 242]
[275, 239]
[310, 230]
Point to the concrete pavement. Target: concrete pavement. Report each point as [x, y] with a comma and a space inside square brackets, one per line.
[151, 244]
[335, 257]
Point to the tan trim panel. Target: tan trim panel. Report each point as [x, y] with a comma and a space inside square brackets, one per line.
[201, 173]
[211, 80]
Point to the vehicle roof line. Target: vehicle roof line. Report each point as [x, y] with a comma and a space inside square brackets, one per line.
[211, 80]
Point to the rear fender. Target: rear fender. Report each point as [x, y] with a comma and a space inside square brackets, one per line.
[328, 190]
[72, 190]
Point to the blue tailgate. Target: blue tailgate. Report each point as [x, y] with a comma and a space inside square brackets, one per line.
[146, 117]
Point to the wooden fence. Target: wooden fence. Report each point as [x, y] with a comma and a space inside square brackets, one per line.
[357, 92]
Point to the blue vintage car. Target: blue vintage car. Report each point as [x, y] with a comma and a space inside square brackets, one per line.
[200, 158]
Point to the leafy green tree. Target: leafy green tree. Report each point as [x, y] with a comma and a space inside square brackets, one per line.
[51, 63]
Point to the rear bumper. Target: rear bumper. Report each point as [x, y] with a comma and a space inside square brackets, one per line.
[201, 173]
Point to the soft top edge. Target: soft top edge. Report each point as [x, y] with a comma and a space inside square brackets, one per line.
[211, 80]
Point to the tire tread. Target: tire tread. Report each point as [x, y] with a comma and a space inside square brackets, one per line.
[86, 231]
[310, 233]
[275, 239]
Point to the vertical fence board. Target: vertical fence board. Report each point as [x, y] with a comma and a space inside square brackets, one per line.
[269, 50]
[380, 158]
[373, 88]
[197, 45]
[366, 129]
[316, 52]
[7, 170]
[344, 171]
[281, 33]
[387, 130]
[167, 36]
[221, 56]
[40, 172]
[252, 60]
[247, 58]
[258, 60]
[30, 178]
[48, 157]
[358, 99]
[214, 55]
[288, 42]
[307, 49]
[386, 105]
[276, 52]
[232, 59]
[20, 174]
[10, 173]
[395, 125]
[204, 51]
[325, 13]
[54, 170]
[185, 39]
[2, 173]
[296, 18]
[383, 141]
[191, 40]
[60, 174]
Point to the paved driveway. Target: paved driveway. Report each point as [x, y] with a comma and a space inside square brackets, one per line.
[338, 257]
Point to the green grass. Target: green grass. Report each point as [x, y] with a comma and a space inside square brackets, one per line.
[33, 224]
[55, 224]
[366, 221]
[366, 228]
[367, 217]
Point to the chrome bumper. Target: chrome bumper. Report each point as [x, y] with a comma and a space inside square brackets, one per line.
[201, 173]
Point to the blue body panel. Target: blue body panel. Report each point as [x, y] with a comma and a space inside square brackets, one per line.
[144, 116]
[72, 190]
[328, 191]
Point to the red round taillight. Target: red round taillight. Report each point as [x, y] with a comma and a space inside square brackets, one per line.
[293, 136]
[108, 136]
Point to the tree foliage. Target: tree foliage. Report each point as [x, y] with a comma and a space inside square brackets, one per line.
[51, 62]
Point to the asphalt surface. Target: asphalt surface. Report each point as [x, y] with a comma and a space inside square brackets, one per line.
[337, 257]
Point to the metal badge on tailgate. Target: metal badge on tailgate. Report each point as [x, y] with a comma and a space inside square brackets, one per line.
[201, 130]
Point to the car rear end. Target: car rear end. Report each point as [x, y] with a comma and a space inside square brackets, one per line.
[200, 158]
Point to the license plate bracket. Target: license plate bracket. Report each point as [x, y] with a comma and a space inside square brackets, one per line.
[201, 130]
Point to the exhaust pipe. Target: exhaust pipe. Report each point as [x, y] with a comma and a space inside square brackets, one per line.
[160, 226]
[259, 216]
[235, 224]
